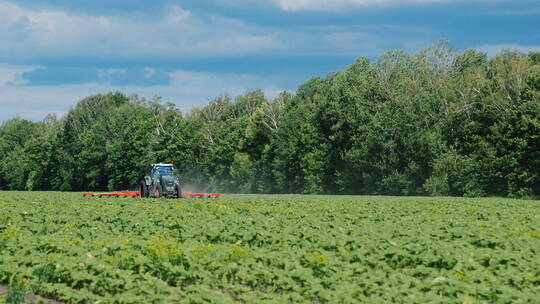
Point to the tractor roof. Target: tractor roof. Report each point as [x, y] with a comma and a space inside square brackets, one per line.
[162, 165]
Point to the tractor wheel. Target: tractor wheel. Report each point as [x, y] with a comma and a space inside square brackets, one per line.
[157, 192]
[178, 192]
[143, 189]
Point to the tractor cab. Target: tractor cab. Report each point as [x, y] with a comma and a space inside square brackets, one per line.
[159, 170]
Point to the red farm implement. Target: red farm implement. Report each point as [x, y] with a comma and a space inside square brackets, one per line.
[137, 194]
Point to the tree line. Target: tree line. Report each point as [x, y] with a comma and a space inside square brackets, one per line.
[437, 122]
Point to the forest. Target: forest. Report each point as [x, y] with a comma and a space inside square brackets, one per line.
[436, 122]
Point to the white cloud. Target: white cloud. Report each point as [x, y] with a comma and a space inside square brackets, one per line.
[149, 72]
[495, 49]
[12, 74]
[187, 90]
[356, 41]
[180, 34]
[300, 5]
[41, 33]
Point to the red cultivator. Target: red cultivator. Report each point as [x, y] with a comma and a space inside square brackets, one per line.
[115, 194]
[138, 194]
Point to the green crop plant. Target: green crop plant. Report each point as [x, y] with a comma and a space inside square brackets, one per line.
[270, 249]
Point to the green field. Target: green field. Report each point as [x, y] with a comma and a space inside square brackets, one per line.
[270, 249]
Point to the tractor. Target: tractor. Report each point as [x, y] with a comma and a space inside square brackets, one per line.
[161, 182]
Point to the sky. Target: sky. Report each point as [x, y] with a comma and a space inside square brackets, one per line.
[54, 53]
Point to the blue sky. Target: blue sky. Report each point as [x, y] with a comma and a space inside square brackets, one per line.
[53, 53]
